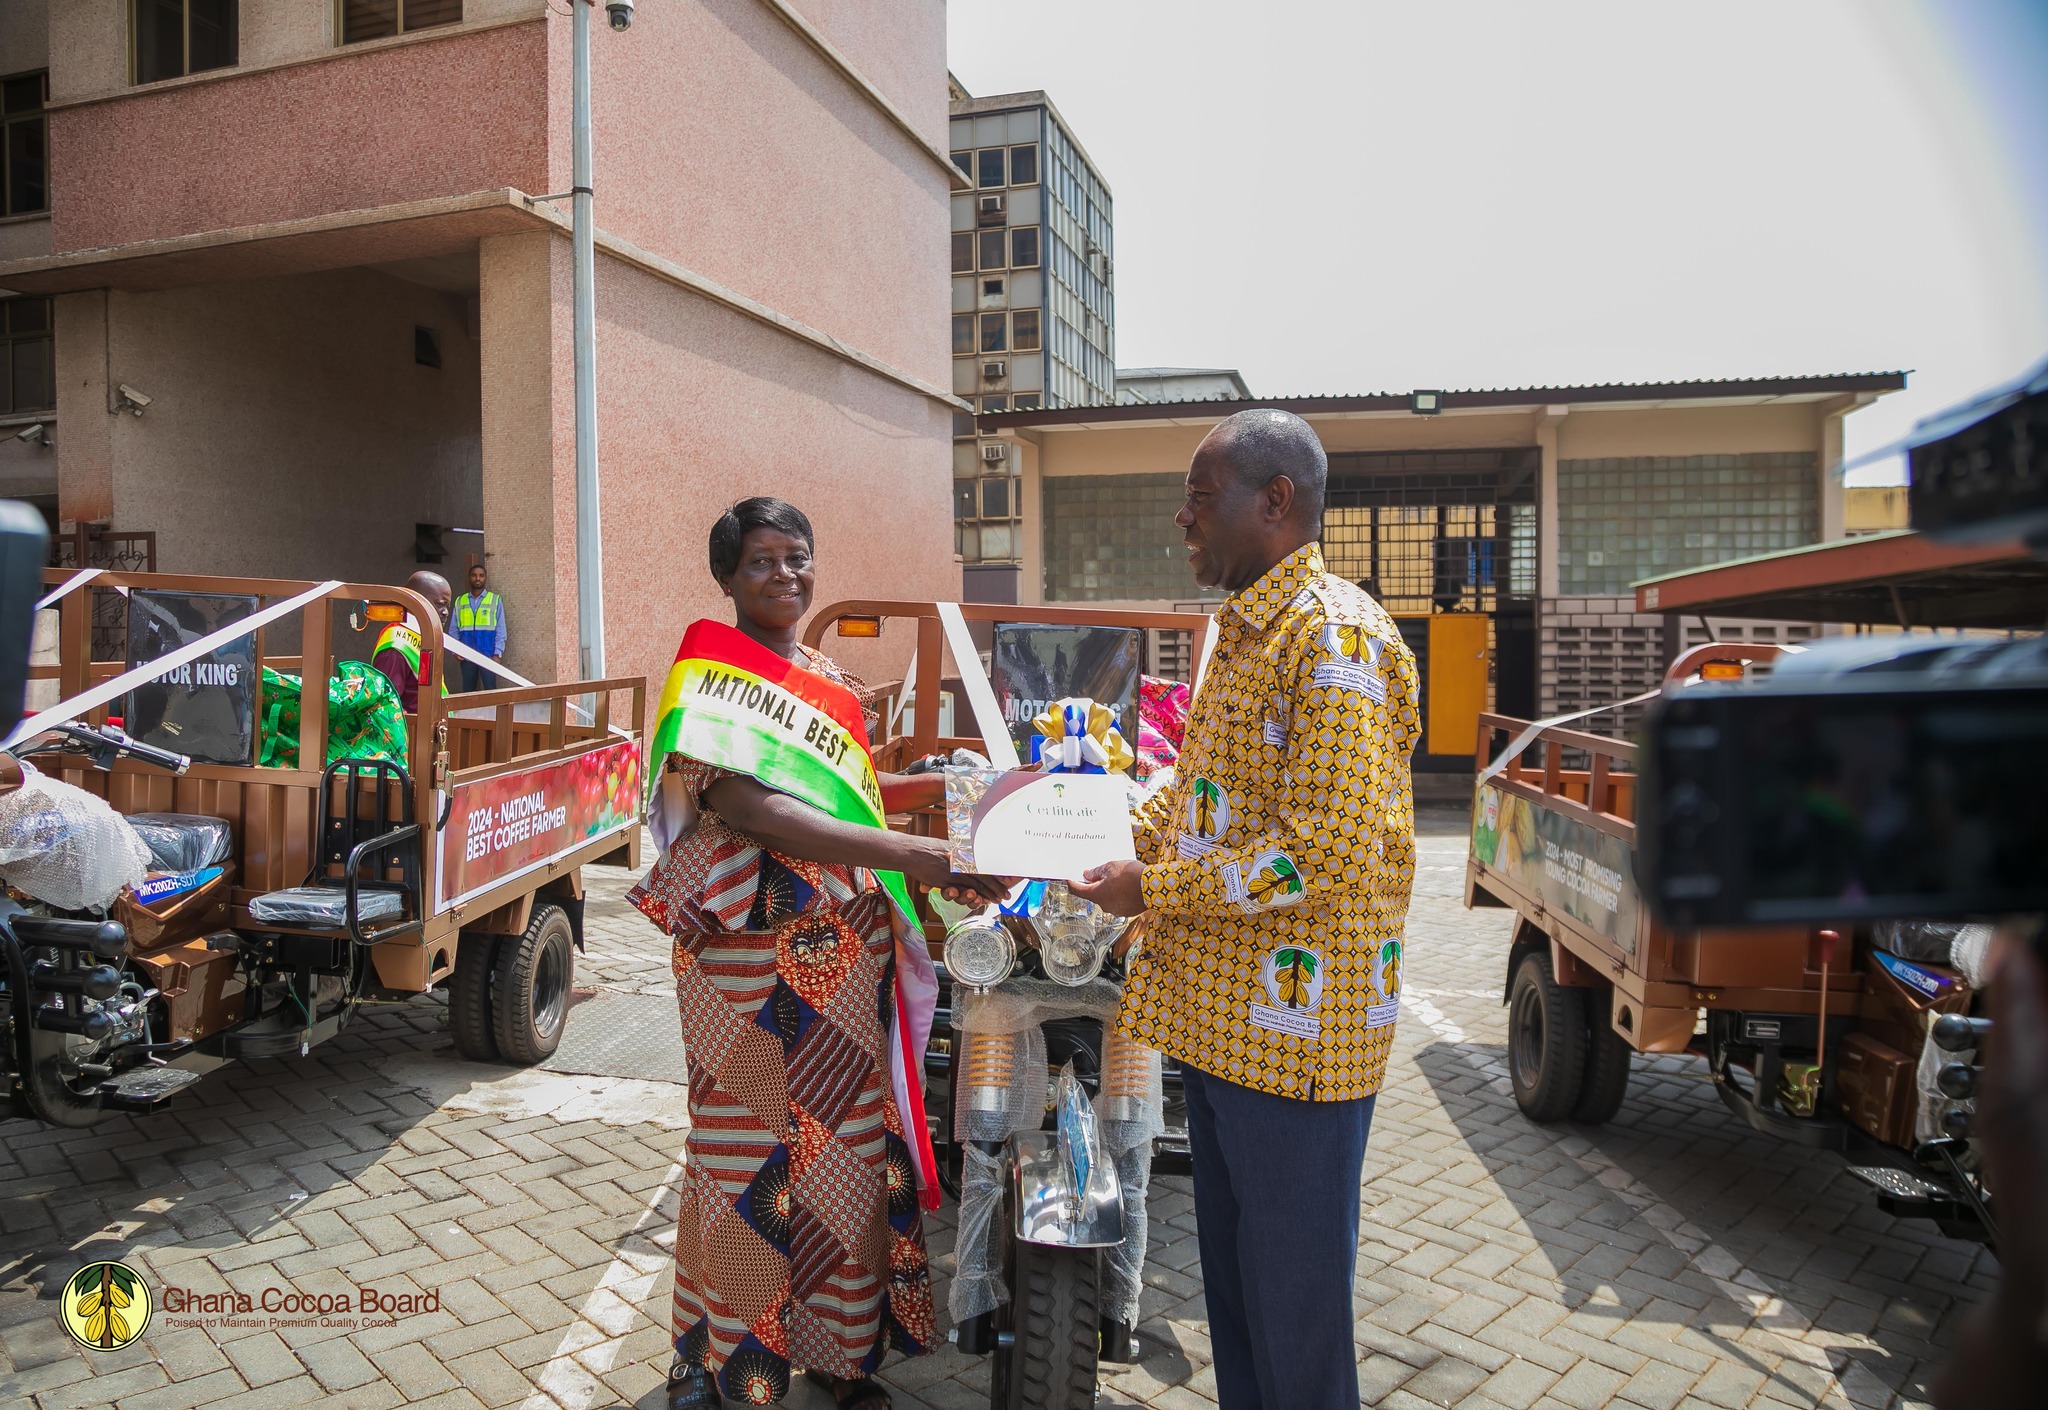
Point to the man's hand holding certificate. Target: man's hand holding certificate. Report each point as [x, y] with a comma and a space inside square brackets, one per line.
[1050, 826]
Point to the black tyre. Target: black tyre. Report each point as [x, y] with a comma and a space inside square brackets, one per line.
[469, 998]
[530, 980]
[1054, 1312]
[1547, 1041]
[1607, 1065]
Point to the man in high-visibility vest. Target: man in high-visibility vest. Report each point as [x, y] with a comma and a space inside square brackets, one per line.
[397, 653]
[479, 623]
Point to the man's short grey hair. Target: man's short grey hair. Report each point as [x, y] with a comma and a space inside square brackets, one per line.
[1265, 443]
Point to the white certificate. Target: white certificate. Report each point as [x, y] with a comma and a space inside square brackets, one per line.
[1043, 826]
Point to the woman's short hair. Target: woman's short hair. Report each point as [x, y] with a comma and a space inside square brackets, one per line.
[760, 512]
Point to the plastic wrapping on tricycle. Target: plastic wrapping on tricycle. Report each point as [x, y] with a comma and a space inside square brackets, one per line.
[66, 847]
[324, 907]
[183, 842]
[1000, 1085]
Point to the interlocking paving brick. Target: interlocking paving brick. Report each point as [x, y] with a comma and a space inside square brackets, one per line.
[1672, 1258]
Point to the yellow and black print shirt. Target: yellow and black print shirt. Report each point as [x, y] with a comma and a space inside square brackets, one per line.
[1278, 864]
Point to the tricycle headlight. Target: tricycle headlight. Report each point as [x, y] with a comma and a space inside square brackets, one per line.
[979, 952]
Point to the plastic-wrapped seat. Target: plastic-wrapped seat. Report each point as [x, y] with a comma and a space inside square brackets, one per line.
[184, 841]
[365, 835]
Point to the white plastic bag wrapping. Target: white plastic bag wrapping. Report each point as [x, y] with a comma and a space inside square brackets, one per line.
[183, 841]
[989, 1113]
[324, 907]
[66, 847]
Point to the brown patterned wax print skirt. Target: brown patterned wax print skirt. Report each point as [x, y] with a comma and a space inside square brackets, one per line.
[800, 1243]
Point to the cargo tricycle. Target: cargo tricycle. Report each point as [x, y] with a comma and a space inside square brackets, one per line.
[1853, 1039]
[288, 872]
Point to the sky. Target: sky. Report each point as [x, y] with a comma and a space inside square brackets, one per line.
[1342, 196]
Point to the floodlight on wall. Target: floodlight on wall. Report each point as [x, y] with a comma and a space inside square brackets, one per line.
[1426, 403]
[38, 433]
[132, 400]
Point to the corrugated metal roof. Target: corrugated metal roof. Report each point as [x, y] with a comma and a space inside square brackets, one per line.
[1469, 399]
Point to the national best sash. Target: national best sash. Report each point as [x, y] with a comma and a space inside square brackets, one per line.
[732, 703]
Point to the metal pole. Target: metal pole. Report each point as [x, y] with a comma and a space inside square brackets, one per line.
[589, 529]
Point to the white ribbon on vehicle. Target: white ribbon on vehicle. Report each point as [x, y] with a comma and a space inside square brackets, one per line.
[148, 671]
[995, 735]
[456, 647]
[1522, 740]
[68, 586]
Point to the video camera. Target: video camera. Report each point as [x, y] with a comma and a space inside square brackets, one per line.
[1872, 778]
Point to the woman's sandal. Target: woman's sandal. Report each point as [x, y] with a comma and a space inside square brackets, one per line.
[862, 1394]
[692, 1389]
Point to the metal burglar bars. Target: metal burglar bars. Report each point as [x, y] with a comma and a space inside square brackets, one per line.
[1435, 530]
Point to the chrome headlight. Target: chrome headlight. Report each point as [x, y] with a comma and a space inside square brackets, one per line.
[979, 951]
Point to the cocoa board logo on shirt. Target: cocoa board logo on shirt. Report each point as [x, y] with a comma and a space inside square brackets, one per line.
[106, 1306]
[1293, 978]
[1208, 810]
[1274, 881]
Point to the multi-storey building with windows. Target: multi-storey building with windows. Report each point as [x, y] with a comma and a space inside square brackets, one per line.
[325, 242]
[1034, 303]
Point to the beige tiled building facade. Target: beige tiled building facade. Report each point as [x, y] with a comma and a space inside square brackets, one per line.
[1502, 528]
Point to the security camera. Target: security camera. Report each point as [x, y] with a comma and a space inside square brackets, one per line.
[38, 433]
[132, 400]
[621, 12]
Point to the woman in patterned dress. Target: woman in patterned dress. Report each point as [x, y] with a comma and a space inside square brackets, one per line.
[800, 1242]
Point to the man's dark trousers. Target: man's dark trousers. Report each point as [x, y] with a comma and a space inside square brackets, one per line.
[475, 677]
[1276, 1213]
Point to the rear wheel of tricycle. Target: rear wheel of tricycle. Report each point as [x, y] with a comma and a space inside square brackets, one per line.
[1608, 1056]
[469, 998]
[1547, 1041]
[530, 981]
[1054, 1317]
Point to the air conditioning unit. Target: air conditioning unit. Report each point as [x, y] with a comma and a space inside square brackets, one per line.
[994, 452]
[992, 204]
[995, 371]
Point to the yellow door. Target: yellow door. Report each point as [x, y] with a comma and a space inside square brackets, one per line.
[1456, 694]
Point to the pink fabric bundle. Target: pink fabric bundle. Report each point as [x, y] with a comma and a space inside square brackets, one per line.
[1162, 723]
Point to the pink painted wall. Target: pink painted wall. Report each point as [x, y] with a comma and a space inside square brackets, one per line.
[703, 407]
[892, 45]
[726, 143]
[364, 129]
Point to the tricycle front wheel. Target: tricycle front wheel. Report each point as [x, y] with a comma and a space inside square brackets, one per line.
[1054, 1319]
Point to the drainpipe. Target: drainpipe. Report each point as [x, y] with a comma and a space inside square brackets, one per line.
[589, 529]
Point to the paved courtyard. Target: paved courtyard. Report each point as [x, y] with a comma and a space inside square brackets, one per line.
[1670, 1259]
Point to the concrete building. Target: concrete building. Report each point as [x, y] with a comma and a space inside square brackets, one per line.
[1153, 384]
[1034, 301]
[312, 234]
[1502, 528]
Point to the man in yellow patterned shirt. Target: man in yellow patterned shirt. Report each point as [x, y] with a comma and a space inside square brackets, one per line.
[1276, 873]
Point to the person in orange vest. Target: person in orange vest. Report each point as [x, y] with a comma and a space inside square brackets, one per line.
[398, 645]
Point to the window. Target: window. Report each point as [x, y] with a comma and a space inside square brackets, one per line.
[380, 19]
[1024, 335]
[965, 161]
[963, 332]
[989, 167]
[963, 251]
[28, 378]
[992, 333]
[989, 404]
[1634, 517]
[963, 423]
[991, 248]
[992, 288]
[1024, 166]
[1024, 247]
[25, 185]
[995, 499]
[177, 37]
[1026, 401]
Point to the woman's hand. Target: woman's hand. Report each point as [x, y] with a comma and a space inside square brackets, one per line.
[927, 859]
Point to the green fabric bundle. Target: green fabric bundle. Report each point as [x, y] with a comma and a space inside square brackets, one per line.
[365, 719]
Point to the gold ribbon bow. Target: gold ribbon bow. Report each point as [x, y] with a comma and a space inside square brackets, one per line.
[1102, 733]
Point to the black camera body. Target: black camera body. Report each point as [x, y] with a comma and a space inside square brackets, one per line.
[1869, 778]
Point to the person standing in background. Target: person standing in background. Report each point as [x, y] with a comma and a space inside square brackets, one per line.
[479, 623]
[397, 653]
